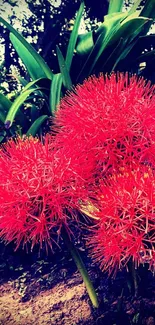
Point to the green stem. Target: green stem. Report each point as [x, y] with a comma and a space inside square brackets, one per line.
[135, 282]
[82, 269]
[134, 277]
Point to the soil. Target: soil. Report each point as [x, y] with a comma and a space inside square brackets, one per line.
[49, 290]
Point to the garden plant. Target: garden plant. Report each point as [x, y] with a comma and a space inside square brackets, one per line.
[92, 166]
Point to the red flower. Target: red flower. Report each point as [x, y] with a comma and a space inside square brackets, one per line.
[38, 193]
[126, 219]
[105, 121]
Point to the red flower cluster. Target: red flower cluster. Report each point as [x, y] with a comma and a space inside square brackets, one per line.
[126, 219]
[37, 192]
[107, 120]
[103, 155]
[108, 125]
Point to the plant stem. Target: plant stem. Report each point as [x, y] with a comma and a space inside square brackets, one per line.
[135, 282]
[82, 269]
[134, 278]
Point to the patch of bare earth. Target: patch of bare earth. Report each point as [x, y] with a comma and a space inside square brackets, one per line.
[64, 304]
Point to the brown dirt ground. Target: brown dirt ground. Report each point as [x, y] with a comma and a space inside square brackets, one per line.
[60, 305]
[48, 290]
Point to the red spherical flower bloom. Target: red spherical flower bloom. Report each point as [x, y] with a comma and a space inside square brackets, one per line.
[107, 120]
[38, 192]
[126, 219]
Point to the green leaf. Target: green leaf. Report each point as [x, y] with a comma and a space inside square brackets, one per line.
[64, 70]
[22, 80]
[5, 103]
[42, 64]
[149, 9]
[110, 62]
[33, 67]
[130, 28]
[16, 105]
[146, 56]
[115, 6]
[55, 92]
[73, 37]
[85, 43]
[34, 112]
[36, 125]
[38, 82]
[2, 135]
[134, 7]
[105, 33]
[2, 117]
[5, 106]
[125, 51]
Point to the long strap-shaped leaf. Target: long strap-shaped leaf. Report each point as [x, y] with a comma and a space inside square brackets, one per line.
[36, 125]
[55, 92]
[85, 43]
[73, 37]
[16, 105]
[47, 71]
[33, 67]
[149, 9]
[5, 105]
[115, 6]
[106, 31]
[64, 70]
[134, 7]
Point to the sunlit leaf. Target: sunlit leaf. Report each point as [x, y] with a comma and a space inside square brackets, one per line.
[85, 43]
[73, 37]
[64, 70]
[134, 7]
[16, 105]
[55, 92]
[43, 66]
[115, 6]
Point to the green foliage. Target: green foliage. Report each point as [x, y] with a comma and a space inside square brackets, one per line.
[19, 41]
[55, 92]
[36, 125]
[115, 6]
[34, 67]
[119, 43]
[64, 70]
[73, 38]
[108, 48]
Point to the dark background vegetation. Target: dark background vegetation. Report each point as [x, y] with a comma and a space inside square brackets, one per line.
[49, 24]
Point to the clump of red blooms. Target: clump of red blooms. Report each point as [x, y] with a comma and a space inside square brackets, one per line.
[108, 120]
[102, 155]
[126, 219]
[37, 192]
[108, 125]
